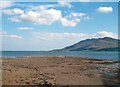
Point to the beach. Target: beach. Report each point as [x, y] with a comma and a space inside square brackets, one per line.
[59, 70]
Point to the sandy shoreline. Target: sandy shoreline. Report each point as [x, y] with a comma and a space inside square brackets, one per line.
[57, 70]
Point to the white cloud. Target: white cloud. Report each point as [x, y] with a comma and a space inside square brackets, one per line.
[43, 7]
[72, 36]
[13, 11]
[105, 9]
[64, 3]
[42, 17]
[58, 36]
[13, 36]
[42, 14]
[14, 19]
[5, 4]
[69, 23]
[24, 28]
[73, 19]
[105, 34]
[49, 16]
[16, 36]
[76, 14]
[63, 36]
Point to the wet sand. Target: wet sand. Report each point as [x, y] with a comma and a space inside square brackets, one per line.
[57, 70]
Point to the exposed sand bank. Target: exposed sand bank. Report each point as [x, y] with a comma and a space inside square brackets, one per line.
[56, 70]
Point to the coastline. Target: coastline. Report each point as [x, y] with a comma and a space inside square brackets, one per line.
[58, 70]
[87, 54]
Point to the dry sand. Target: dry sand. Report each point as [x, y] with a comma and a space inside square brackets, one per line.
[55, 70]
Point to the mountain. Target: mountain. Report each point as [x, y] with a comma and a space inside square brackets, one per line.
[100, 44]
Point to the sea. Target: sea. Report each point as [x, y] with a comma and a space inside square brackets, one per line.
[86, 54]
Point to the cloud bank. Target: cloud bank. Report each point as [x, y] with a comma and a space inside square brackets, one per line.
[78, 36]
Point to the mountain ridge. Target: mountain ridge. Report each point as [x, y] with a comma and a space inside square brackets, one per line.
[94, 44]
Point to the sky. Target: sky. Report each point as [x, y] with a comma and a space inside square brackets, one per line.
[42, 26]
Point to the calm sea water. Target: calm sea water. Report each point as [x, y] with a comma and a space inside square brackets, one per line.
[96, 55]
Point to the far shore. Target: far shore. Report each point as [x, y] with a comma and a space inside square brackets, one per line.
[59, 70]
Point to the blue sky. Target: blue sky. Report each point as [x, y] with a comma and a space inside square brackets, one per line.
[50, 25]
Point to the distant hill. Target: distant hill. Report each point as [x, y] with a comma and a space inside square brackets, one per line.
[100, 44]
